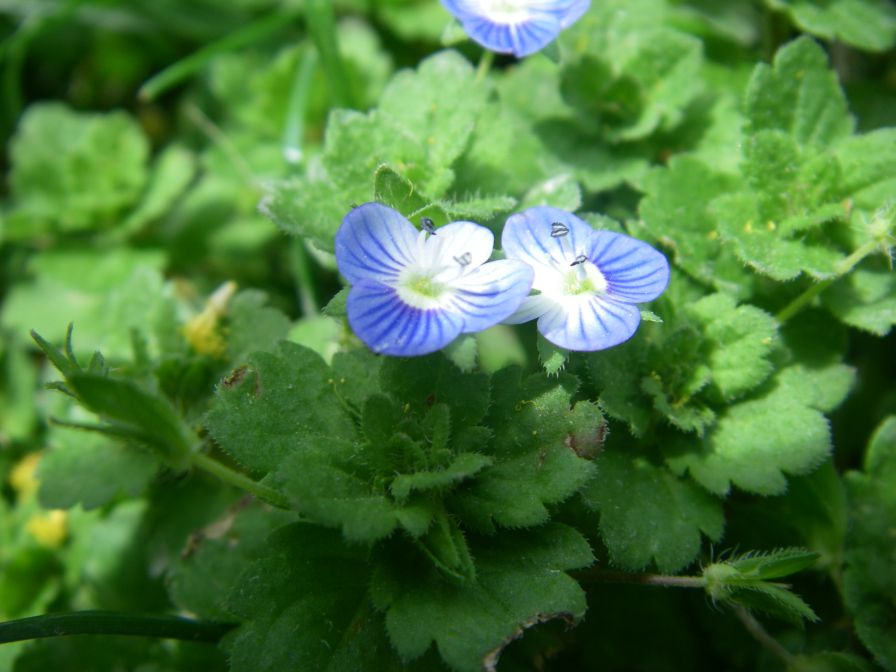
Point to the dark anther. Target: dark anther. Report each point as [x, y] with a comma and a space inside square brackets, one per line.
[558, 230]
[428, 225]
[581, 259]
[464, 259]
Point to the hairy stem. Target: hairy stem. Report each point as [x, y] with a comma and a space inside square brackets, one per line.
[609, 576]
[238, 480]
[842, 269]
[761, 635]
[485, 64]
[302, 266]
[112, 623]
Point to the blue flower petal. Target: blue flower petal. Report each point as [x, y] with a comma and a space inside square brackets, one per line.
[390, 326]
[521, 31]
[589, 322]
[527, 237]
[635, 272]
[531, 308]
[574, 12]
[374, 242]
[491, 293]
[519, 39]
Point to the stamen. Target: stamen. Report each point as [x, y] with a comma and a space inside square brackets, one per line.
[464, 259]
[558, 230]
[428, 225]
[581, 259]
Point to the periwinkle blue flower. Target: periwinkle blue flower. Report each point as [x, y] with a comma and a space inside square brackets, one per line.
[413, 292]
[588, 281]
[518, 27]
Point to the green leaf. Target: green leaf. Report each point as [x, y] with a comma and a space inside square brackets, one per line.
[356, 376]
[88, 469]
[477, 208]
[501, 132]
[280, 400]
[520, 582]
[676, 212]
[330, 481]
[422, 126]
[150, 417]
[18, 410]
[650, 515]
[868, 580]
[796, 188]
[775, 601]
[172, 173]
[865, 299]
[216, 555]
[741, 339]
[252, 326]
[336, 306]
[823, 387]
[463, 351]
[617, 375]
[757, 441]
[464, 466]
[424, 381]
[553, 358]
[62, 178]
[436, 107]
[646, 84]
[773, 564]
[305, 607]
[743, 581]
[396, 191]
[866, 24]
[869, 167]
[105, 295]
[798, 94]
[561, 192]
[763, 245]
[538, 448]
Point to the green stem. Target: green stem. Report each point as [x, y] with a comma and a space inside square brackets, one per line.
[184, 68]
[112, 623]
[485, 64]
[301, 264]
[609, 576]
[238, 480]
[842, 269]
[298, 106]
[761, 635]
[322, 26]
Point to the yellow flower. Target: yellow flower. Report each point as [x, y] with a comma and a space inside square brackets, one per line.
[22, 477]
[201, 331]
[48, 528]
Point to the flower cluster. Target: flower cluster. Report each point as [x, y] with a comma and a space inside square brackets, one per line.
[518, 27]
[414, 291]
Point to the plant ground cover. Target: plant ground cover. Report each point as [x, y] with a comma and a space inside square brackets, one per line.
[197, 448]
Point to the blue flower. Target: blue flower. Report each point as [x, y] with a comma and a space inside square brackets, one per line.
[413, 292]
[588, 281]
[518, 27]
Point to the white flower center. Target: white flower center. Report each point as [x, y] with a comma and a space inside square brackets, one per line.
[429, 286]
[505, 11]
[570, 282]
